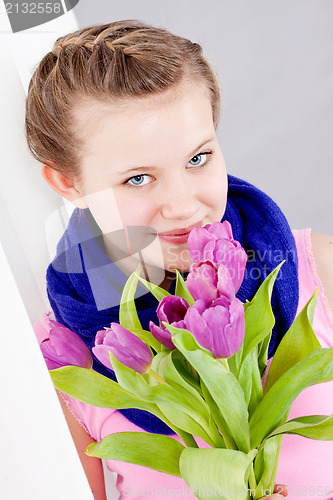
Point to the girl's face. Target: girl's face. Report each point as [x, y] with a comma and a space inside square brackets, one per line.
[152, 162]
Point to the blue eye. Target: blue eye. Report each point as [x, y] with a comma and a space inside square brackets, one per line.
[139, 180]
[198, 160]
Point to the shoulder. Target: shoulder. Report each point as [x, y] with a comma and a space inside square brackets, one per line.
[322, 250]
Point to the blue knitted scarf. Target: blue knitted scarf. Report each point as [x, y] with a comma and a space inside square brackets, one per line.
[84, 287]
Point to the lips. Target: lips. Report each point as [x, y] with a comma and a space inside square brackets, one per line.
[178, 235]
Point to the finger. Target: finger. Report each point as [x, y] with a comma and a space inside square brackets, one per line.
[281, 489]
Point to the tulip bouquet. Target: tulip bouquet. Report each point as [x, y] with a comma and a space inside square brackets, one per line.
[203, 371]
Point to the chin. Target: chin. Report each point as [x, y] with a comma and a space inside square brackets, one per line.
[180, 260]
[167, 260]
[182, 267]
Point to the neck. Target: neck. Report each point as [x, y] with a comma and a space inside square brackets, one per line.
[129, 264]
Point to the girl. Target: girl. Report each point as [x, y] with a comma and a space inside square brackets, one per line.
[123, 119]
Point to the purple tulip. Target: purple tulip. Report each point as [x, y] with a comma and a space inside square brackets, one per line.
[202, 239]
[64, 347]
[225, 284]
[207, 282]
[202, 281]
[233, 256]
[172, 310]
[220, 328]
[215, 242]
[125, 346]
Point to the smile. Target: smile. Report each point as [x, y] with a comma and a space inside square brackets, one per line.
[178, 236]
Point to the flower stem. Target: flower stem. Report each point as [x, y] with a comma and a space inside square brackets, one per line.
[218, 439]
[224, 362]
[156, 376]
[188, 439]
[252, 479]
[192, 371]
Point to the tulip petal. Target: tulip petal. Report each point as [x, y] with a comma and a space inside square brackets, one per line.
[217, 318]
[197, 241]
[171, 308]
[70, 347]
[162, 335]
[208, 251]
[51, 358]
[198, 327]
[215, 242]
[64, 347]
[132, 361]
[225, 283]
[102, 354]
[235, 259]
[126, 347]
[238, 320]
[200, 306]
[221, 230]
[201, 288]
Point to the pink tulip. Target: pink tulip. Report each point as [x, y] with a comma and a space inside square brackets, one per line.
[215, 242]
[220, 328]
[64, 347]
[202, 240]
[171, 310]
[202, 281]
[126, 347]
[207, 281]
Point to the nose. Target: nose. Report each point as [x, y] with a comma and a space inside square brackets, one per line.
[178, 200]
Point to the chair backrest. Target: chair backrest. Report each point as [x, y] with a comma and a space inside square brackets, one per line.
[30, 224]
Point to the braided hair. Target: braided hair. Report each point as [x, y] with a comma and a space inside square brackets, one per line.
[119, 60]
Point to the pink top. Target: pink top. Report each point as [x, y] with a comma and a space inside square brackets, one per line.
[305, 465]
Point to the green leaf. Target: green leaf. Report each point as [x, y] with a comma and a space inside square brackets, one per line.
[178, 405]
[311, 426]
[182, 290]
[217, 470]
[250, 380]
[299, 341]
[164, 365]
[148, 339]
[316, 368]
[265, 464]
[263, 354]
[140, 449]
[187, 422]
[227, 441]
[223, 387]
[158, 292]
[186, 370]
[93, 388]
[128, 316]
[278, 448]
[259, 317]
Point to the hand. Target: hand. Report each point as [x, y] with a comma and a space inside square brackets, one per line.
[279, 490]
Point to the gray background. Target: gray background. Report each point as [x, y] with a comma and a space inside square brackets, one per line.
[274, 61]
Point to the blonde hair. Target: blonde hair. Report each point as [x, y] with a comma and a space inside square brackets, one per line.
[116, 60]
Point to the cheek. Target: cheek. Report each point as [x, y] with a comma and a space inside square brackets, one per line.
[135, 210]
[214, 191]
[104, 208]
[113, 210]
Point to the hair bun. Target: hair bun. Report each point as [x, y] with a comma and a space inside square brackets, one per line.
[56, 50]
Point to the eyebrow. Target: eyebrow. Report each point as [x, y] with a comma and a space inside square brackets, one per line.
[148, 169]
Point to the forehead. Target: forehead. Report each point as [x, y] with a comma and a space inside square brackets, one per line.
[181, 114]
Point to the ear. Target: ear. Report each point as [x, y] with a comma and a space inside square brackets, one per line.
[64, 185]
